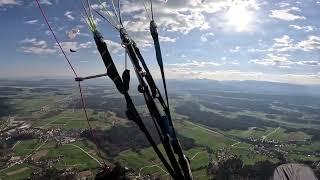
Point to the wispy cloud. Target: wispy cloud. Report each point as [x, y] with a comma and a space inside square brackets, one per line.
[9, 2]
[304, 28]
[273, 60]
[175, 16]
[34, 46]
[68, 15]
[285, 43]
[235, 49]
[40, 47]
[204, 37]
[286, 14]
[66, 46]
[34, 21]
[114, 47]
[311, 43]
[309, 63]
[194, 63]
[47, 2]
[166, 39]
[282, 61]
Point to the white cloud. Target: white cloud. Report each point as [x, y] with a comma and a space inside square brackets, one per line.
[285, 43]
[284, 4]
[85, 45]
[176, 16]
[139, 31]
[9, 2]
[113, 47]
[312, 43]
[38, 50]
[34, 46]
[309, 63]
[194, 64]
[182, 16]
[139, 26]
[235, 49]
[286, 14]
[282, 61]
[34, 21]
[66, 46]
[47, 2]
[34, 42]
[99, 6]
[166, 39]
[285, 39]
[68, 15]
[204, 37]
[304, 28]
[273, 60]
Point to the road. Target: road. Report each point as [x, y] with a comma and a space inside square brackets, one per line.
[20, 162]
[18, 142]
[235, 144]
[212, 131]
[204, 128]
[197, 155]
[274, 131]
[36, 149]
[149, 166]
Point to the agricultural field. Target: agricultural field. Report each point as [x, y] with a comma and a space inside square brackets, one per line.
[211, 125]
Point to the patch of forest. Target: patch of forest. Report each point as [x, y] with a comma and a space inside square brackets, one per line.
[116, 105]
[5, 91]
[221, 122]
[305, 109]
[43, 90]
[241, 104]
[5, 107]
[311, 131]
[234, 105]
[120, 138]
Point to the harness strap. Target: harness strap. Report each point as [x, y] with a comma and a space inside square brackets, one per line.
[132, 113]
[154, 112]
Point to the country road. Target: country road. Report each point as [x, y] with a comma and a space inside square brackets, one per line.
[154, 165]
[274, 131]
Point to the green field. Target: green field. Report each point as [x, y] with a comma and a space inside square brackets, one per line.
[20, 171]
[207, 140]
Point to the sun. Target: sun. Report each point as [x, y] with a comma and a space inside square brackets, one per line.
[239, 17]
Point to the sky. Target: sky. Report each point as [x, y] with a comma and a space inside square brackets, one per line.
[267, 40]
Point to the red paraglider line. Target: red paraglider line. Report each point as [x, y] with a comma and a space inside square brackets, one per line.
[74, 72]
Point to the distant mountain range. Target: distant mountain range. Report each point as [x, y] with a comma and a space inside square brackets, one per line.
[256, 87]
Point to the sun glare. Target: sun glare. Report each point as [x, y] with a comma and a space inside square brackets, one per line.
[239, 17]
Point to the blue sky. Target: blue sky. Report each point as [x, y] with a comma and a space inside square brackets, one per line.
[222, 40]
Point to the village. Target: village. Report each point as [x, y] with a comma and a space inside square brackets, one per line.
[24, 132]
